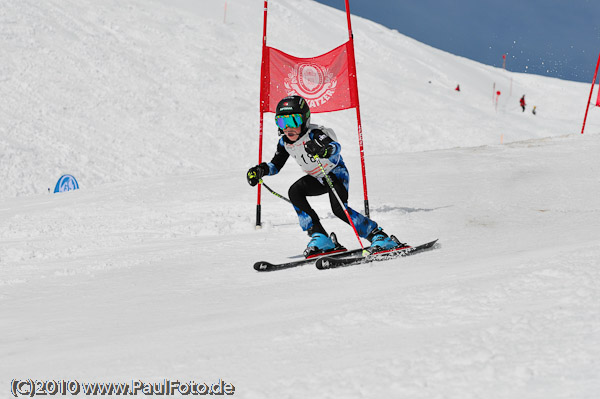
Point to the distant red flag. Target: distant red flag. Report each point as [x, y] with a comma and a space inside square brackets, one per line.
[324, 81]
[598, 99]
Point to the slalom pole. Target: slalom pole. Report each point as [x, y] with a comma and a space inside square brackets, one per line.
[354, 94]
[590, 98]
[264, 94]
[344, 207]
[273, 192]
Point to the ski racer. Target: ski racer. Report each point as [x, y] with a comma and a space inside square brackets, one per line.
[303, 141]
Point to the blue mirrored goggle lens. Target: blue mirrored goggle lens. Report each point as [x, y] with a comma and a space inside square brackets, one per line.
[283, 121]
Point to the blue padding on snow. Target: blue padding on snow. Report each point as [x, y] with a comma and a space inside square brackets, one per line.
[66, 183]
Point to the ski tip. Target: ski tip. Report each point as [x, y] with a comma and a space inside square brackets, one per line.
[262, 266]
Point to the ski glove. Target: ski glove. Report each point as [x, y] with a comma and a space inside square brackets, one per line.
[316, 147]
[256, 173]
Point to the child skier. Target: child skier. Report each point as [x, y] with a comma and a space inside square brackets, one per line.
[303, 141]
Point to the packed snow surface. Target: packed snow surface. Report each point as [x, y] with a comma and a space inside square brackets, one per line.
[145, 273]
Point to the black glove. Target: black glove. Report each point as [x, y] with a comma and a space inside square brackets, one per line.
[256, 173]
[315, 147]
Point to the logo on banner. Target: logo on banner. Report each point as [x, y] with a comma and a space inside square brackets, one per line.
[313, 82]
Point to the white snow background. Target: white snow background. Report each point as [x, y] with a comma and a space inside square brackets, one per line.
[145, 273]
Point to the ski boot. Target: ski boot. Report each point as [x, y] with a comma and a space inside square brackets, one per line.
[320, 244]
[380, 241]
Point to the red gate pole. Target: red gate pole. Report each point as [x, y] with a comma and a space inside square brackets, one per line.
[264, 75]
[591, 90]
[354, 92]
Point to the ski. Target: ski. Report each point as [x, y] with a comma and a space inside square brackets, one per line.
[264, 266]
[310, 257]
[330, 262]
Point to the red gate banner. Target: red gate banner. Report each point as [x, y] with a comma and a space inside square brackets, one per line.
[324, 81]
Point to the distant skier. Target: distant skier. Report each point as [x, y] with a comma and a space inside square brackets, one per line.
[303, 141]
[457, 88]
[522, 102]
[533, 111]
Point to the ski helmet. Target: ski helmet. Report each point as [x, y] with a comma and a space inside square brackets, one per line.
[293, 105]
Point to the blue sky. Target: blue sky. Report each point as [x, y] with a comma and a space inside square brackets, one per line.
[559, 38]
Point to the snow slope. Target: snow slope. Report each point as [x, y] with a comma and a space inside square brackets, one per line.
[145, 273]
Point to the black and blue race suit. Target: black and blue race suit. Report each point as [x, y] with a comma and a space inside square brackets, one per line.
[313, 184]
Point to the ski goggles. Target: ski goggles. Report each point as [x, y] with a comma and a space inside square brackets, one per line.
[293, 120]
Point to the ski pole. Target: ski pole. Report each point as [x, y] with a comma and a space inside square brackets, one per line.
[273, 192]
[344, 207]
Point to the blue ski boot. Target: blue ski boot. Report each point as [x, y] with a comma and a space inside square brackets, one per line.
[319, 243]
[381, 241]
